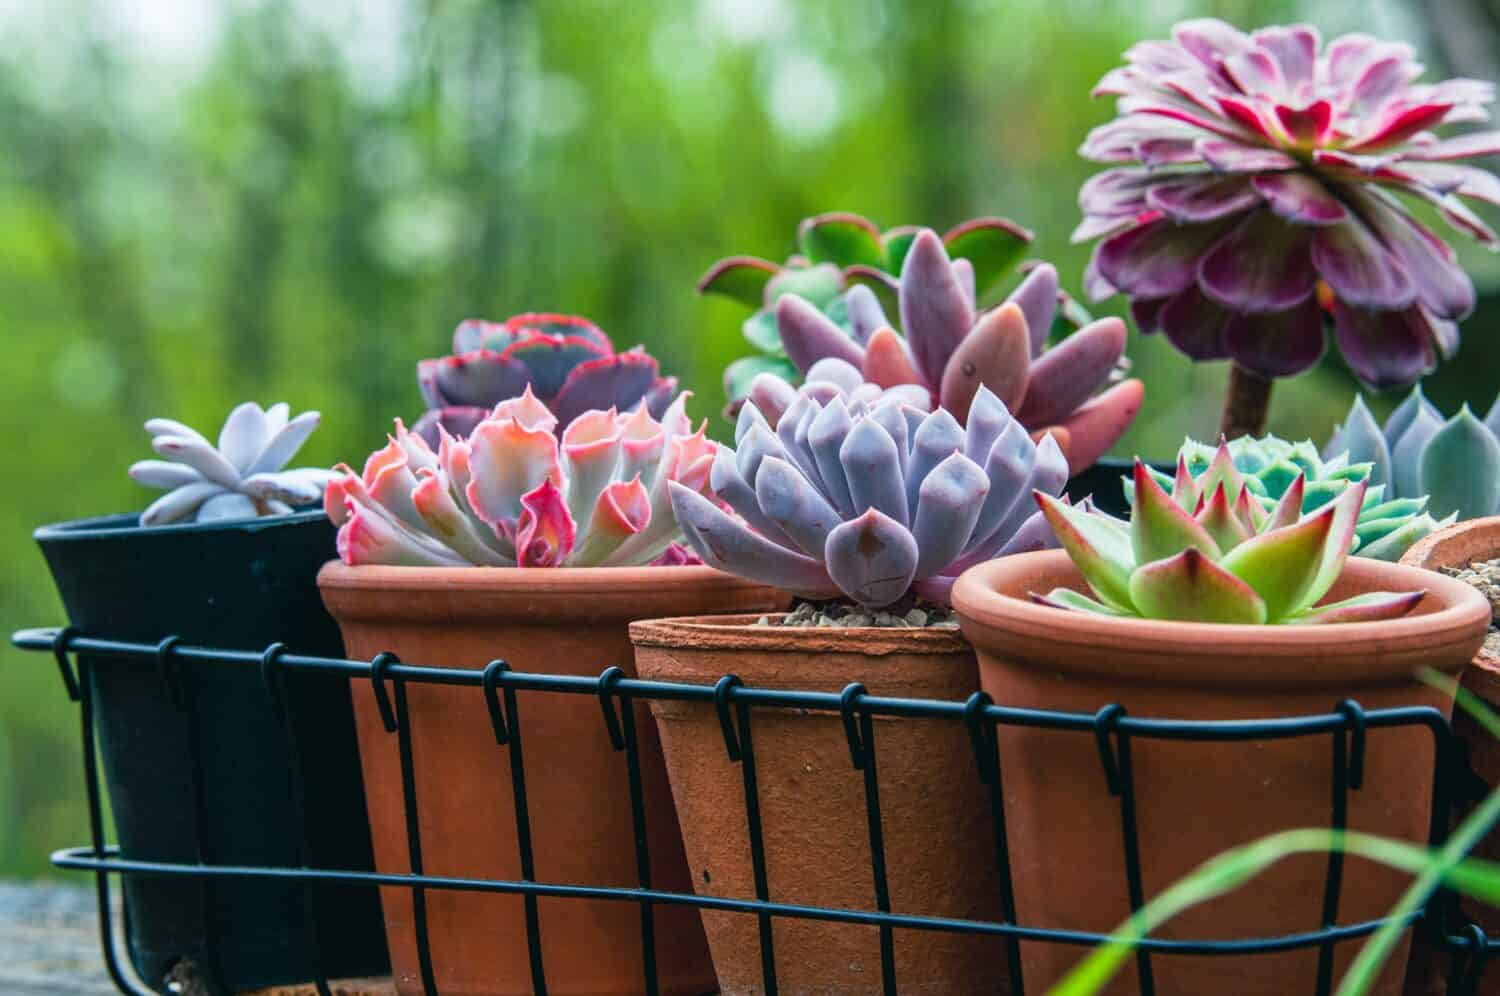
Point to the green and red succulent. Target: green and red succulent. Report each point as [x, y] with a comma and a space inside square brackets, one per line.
[1209, 551]
[838, 251]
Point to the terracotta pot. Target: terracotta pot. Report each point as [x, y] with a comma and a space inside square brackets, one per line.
[936, 823]
[566, 621]
[1459, 545]
[1194, 800]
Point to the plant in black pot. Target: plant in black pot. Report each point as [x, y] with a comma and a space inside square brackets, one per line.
[224, 559]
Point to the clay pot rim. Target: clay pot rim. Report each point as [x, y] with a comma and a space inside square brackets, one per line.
[543, 596]
[737, 632]
[576, 580]
[1427, 554]
[1194, 652]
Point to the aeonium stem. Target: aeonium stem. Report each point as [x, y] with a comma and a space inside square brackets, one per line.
[1246, 403]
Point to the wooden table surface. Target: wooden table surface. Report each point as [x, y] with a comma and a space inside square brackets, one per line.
[49, 946]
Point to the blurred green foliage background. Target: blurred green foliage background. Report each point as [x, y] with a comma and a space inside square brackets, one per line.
[203, 201]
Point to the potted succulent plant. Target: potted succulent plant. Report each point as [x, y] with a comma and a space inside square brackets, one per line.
[1208, 605]
[533, 543]
[1252, 198]
[223, 559]
[867, 512]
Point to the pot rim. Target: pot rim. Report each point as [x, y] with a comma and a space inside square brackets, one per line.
[738, 632]
[126, 524]
[576, 580]
[539, 595]
[1185, 651]
[1424, 553]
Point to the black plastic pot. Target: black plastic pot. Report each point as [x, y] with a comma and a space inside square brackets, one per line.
[1104, 482]
[237, 584]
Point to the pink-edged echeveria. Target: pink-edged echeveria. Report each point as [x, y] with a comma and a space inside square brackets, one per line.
[1211, 552]
[566, 361]
[512, 494]
[870, 502]
[950, 349]
[1254, 193]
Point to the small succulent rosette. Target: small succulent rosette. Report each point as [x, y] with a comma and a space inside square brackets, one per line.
[1209, 551]
[1387, 526]
[512, 494]
[1453, 462]
[567, 362]
[243, 477]
[870, 502]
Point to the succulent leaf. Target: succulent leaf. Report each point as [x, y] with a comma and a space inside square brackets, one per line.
[1100, 546]
[1190, 587]
[993, 246]
[935, 313]
[996, 354]
[1369, 607]
[841, 238]
[739, 278]
[729, 545]
[1460, 468]
[872, 558]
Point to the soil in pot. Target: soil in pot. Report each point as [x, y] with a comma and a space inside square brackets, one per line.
[1467, 551]
[1195, 800]
[241, 585]
[937, 833]
[555, 621]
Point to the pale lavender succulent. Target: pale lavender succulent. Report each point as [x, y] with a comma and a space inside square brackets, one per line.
[241, 478]
[871, 502]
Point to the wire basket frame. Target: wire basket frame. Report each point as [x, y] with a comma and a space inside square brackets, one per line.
[1347, 726]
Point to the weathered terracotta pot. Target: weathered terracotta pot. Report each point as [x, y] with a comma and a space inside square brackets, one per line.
[937, 831]
[1459, 545]
[1194, 800]
[565, 621]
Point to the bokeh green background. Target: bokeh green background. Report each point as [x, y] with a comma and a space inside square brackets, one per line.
[203, 201]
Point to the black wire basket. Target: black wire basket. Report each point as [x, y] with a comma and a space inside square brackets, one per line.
[1463, 947]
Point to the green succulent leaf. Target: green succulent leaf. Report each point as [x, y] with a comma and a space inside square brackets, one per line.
[1369, 607]
[761, 332]
[819, 284]
[1282, 565]
[842, 239]
[1192, 588]
[1098, 545]
[897, 243]
[1159, 527]
[1460, 468]
[1067, 598]
[739, 278]
[993, 245]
